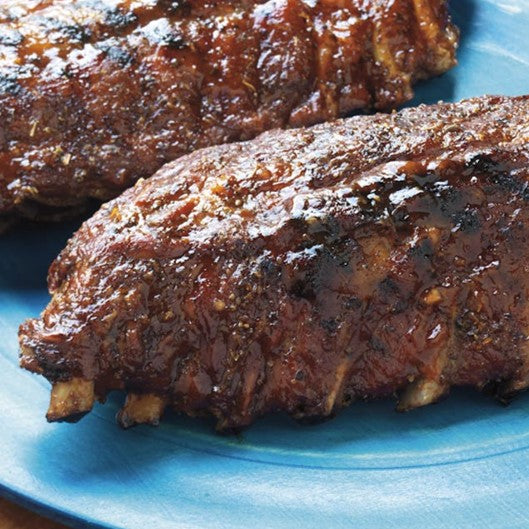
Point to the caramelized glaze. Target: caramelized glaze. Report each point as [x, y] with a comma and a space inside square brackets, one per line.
[95, 94]
[305, 269]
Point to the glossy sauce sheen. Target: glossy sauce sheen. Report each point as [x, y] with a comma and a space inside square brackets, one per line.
[306, 269]
[95, 94]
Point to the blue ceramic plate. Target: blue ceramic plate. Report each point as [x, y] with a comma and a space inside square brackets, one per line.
[463, 463]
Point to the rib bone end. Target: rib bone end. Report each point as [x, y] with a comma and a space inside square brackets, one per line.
[141, 409]
[518, 383]
[421, 393]
[70, 400]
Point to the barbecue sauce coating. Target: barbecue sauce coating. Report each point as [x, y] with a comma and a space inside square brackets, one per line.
[306, 269]
[95, 94]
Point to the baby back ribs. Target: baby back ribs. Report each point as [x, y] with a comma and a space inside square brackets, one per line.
[301, 271]
[95, 94]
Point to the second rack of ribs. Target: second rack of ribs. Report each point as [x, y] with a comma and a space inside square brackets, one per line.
[301, 271]
[94, 95]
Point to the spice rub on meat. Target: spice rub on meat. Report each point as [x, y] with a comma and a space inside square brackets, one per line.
[301, 271]
[95, 94]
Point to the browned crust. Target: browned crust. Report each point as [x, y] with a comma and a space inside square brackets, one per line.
[94, 97]
[304, 270]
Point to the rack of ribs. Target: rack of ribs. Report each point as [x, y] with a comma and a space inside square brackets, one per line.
[95, 94]
[302, 270]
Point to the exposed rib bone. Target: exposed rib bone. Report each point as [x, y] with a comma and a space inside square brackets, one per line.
[141, 409]
[520, 380]
[431, 28]
[421, 392]
[71, 400]
[338, 386]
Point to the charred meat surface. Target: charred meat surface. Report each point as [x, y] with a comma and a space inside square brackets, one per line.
[301, 271]
[95, 94]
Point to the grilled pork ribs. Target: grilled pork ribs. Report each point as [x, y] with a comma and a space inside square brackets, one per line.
[301, 271]
[95, 94]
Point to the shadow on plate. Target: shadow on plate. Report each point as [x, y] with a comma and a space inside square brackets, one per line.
[28, 249]
[366, 436]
